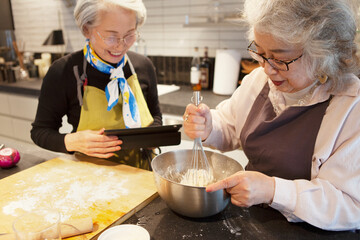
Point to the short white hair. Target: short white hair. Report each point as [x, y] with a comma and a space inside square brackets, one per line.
[86, 11]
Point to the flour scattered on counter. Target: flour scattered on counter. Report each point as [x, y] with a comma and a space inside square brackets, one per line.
[192, 235]
[27, 205]
[232, 228]
[231, 224]
[69, 194]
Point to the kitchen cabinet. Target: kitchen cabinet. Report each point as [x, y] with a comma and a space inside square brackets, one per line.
[6, 126]
[17, 112]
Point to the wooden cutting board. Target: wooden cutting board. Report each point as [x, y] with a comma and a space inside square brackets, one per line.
[103, 190]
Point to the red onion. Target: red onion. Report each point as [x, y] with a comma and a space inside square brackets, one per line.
[9, 157]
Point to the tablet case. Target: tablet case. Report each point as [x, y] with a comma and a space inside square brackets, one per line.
[148, 137]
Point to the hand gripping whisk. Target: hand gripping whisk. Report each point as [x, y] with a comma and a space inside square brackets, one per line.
[201, 174]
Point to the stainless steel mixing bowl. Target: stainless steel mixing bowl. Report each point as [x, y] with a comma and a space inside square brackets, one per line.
[191, 201]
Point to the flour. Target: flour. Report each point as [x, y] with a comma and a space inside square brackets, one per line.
[72, 194]
[197, 178]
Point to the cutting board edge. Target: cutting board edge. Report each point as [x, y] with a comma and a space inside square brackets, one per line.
[129, 214]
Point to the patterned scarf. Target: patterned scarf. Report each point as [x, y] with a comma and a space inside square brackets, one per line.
[130, 108]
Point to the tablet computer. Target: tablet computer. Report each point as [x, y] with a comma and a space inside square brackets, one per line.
[148, 137]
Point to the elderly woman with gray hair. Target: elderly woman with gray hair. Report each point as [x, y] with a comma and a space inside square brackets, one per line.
[296, 117]
[103, 86]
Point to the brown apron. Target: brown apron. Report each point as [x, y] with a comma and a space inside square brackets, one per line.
[283, 145]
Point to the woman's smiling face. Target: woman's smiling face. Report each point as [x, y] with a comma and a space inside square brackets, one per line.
[290, 81]
[116, 22]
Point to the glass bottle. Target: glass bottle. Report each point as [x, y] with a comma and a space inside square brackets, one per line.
[206, 71]
[195, 71]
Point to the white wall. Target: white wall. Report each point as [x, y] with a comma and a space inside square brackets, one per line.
[163, 32]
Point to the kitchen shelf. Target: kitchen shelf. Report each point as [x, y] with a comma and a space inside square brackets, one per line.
[226, 20]
[211, 24]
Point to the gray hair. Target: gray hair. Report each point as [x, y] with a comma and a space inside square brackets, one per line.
[86, 11]
[325, 29]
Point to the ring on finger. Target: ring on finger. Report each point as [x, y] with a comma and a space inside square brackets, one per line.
[186, 117]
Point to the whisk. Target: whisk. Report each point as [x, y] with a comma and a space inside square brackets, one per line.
[200, 173]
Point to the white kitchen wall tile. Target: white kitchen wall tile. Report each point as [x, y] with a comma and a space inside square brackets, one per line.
[176, 3]
[177, 52]
[156, 51]
[173, 27]
[156, 34]
[174, 35]
[156, 19]
[201, 3]
[35, 19]
[154, 12]
[233, 35]
[153, 4]
[178, 19]
[176, 11]
[204, 34]
[176, 43]
[154, 45]
[154, 28]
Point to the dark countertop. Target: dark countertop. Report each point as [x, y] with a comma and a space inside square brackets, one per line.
[172, 103]
[29, 88]
[162, 223]
[233, 223]
[30, 155]
[175, 102]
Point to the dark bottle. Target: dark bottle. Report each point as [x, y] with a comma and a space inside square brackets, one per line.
[195, 71]
[206, 73]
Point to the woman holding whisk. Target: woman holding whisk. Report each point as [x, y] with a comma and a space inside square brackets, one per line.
[296, 117]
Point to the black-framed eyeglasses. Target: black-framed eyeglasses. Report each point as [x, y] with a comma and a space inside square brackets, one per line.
[274, 63]
[113, 41]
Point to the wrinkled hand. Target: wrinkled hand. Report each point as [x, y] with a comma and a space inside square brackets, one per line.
[197, 121]
[247, 188]
[93, 143]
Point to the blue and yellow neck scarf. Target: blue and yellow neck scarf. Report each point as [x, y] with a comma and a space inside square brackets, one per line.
[130, 108]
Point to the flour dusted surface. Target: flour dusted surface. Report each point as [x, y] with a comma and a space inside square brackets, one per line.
[74, 194]
[96, 188]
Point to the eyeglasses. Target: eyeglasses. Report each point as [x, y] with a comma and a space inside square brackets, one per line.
[274, 63]
[113, 41]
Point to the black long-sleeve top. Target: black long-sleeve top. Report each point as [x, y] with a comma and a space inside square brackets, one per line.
[58, 96]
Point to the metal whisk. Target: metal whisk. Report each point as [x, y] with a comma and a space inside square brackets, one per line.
[201, 173]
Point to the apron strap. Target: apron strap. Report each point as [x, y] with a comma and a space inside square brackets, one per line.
[80, 80]
[131, 66]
